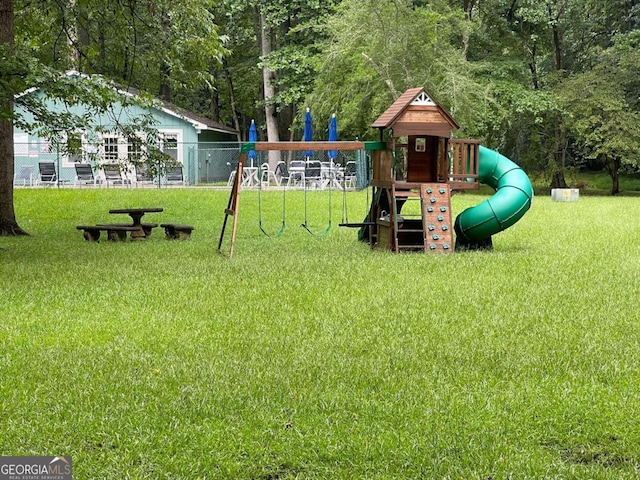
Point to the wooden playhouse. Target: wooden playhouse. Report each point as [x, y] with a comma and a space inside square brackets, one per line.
[422, 165]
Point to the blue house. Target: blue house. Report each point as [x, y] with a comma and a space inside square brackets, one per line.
[182, 135]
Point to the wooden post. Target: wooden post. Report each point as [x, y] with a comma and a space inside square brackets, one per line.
[232, 206]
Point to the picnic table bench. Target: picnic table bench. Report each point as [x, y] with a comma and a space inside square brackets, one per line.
[147, 228]
[115, 233]
[139, 230]
[136, 214]
[177, 231]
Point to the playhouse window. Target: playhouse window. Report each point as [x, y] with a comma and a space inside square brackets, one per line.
[421, 144]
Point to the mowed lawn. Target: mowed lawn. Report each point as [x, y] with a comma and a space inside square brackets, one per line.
[317, 358]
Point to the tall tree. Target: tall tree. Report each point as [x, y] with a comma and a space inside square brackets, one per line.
[402, 44]
[266, 42]
[118, 40]
[8, 223]
[600, 116]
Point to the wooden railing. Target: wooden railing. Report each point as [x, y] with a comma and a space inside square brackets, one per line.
[463, 164]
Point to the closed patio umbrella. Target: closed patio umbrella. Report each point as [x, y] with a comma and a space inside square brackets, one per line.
[308, 131]
[253, 137]
[333, 136]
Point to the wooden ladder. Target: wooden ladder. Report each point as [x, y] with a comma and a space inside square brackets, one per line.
[407, 227]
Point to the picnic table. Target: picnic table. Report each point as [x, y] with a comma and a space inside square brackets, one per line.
[136, 214]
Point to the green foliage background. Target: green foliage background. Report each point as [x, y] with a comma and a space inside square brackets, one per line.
[514, 74]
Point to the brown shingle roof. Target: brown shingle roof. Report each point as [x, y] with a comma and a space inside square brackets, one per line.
[396, 108]
[400, 105]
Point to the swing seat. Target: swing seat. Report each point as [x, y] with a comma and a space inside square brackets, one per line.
[357, 225]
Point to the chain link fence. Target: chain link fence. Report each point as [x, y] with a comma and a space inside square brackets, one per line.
[204, 164]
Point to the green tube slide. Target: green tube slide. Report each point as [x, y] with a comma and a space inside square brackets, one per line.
[514, 193]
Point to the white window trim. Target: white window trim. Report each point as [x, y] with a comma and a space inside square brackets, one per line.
[21, 144]
[177, 133]
[119, 143]
[65, 159]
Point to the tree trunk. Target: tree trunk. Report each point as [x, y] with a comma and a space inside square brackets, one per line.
[232, 97]
[8, 224]
[71, 31]
[468, 6]
[614, 171]
[268, 76]
[533, 66]
[214, 95]
[559, 157]
[164, 91]
[558, 180]
[558, 49]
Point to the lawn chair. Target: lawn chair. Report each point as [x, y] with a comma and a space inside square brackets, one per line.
[349, 177]
[174, 176]
[281, 173]
[48, 174]
[84, 175]
[296, 173]
[142, 176]
[24, 177]
[266, 175]
[113, 174]
[313, 174]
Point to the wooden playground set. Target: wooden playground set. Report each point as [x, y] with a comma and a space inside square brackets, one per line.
[419, 162]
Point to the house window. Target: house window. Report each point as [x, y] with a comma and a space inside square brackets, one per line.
[74, 148]
[170, 145]
[134, 152]
[110, 149]
[21, 144]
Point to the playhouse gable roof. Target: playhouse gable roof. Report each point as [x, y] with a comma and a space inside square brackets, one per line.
[416, 112]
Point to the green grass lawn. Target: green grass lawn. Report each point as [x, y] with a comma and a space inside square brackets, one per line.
[305, 357]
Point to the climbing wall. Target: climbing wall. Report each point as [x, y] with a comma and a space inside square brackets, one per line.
[436, 218]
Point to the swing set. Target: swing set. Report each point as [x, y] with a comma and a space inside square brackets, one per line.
[420, 166]
[234, 197]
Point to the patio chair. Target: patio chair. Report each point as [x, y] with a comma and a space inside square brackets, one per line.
[296, 173]
[24, 177]
[266, 175]
[349, 177]
[113, 174]
[142, 176]
[48, 174]
[313, 174]
[175, 176]
[84, 175]
[281, 172]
